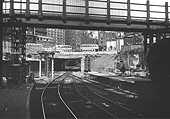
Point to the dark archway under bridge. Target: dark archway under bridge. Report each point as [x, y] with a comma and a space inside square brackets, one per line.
[67, 64]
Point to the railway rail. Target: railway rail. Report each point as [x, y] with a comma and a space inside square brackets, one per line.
[52, 104]
[113, 107]
[68, 96]
[79, 103]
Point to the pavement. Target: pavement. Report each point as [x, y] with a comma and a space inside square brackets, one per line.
[14, 101]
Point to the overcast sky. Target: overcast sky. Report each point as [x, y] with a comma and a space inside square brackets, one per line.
[156, 2]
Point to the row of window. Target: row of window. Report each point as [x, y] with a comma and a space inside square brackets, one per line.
[88, 50]
[34, 44]
[63, 46]
[52, 30]
[43, 38]
[89, 45]
[57, 35]
[64, 50]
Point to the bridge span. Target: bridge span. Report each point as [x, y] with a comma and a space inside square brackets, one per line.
[87, 14]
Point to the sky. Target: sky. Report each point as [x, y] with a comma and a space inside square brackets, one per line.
[156, 2]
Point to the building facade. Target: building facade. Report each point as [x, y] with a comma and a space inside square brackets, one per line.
[102, 42]
[58, 35]
[30, 37]
[73, 38]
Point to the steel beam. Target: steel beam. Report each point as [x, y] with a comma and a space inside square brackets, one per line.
[40, 13]
[108, 12]
[87, 11]
[166, 14]
[11, 13]
[27, 13]
[148, 11]
[128, 13]
[64, 17]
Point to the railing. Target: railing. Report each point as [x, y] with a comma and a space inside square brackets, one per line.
[87, 10]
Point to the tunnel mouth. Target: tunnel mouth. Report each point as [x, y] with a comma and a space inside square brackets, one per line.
[69, 64]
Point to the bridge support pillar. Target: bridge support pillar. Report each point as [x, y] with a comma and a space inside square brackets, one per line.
[145, 50]
[46, 56]
[52, 66]
[83, 64]
[40, 62]
[46, 64]
[150, 39]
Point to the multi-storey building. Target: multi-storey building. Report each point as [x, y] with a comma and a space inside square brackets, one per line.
[69, 36]
[40, 31]
[58, 35]
[102, 40]
[73, 38]
[6, 47]
[47, 42]
[30, 38]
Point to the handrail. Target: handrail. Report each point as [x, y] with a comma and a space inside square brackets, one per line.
[96, 8]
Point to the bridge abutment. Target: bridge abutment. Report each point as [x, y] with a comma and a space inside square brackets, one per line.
[83, 64]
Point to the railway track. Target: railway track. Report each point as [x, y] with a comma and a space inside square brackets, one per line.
[78, 103]
[114, 108]
[51, 101]
[68, 96]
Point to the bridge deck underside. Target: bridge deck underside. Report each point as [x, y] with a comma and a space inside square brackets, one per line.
[77, 22]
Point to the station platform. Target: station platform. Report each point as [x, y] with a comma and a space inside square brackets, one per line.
[14, 101]
[130, 79]
[150, 98]
[135, 86]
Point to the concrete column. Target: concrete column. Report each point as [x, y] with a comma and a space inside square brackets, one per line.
[29, 68]
[150, 39]
[82, 63]
[128, 62]
[40, 67]
[52, 67]
[145, 49]
[145, 43]
[157, 37]
[47, 63]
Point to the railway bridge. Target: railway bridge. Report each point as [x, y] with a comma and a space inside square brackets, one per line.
[111, 15]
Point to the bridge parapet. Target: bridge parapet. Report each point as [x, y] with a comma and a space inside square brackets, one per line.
[126, 13]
